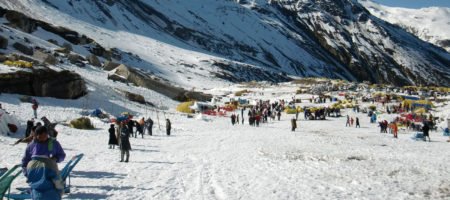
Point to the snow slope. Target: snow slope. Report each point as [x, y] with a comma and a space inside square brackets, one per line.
[430, 24]
[255, 39]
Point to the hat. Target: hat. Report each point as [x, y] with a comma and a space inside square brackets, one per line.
[41, 130]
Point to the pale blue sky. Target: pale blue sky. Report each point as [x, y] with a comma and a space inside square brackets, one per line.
[414, 3]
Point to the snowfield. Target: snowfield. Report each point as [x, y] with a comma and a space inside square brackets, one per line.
[208, 158]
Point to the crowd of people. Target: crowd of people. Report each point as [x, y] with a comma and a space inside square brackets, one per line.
[121, 132]
[260, 113]
[43, 151]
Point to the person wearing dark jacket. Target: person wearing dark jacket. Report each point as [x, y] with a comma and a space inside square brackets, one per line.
[149, 124]
[168, 127]
[293, 124]
[426, 132]
[30, 124]
[112, 137]
[125, 145]
[40, 166]
[357, 123]
[130, 125]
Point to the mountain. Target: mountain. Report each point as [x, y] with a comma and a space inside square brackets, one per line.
[430, 24]
[204, 43]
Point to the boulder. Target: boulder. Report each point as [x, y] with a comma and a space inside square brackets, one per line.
[45, 57]
[3, 42]
[93, 60]
[67, 46]
[62, 50]
[20, 21]
[53, 42]
[145, 80]
[134, 97]
[3, 58]
[44, 82]
[76, 60]
[23, 48]
[109, 65]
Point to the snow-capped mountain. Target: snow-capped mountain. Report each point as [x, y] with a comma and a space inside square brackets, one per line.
[430, 24]
[202, 43]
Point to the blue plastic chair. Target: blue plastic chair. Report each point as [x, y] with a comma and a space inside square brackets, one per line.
[65, 173]
[6, 180]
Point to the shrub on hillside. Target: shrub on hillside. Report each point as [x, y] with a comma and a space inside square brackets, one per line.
[83, 123]
[240, 93]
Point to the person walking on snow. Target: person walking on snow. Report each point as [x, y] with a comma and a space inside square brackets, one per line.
[394, 128]
[233, 119]
[351, 121]
[130, 125]
[34, 106]
[426, 132]
[348, 121]
[242, 115]
[149, 124]
[168, 127]
[293, 124]
[237, 119]
[357, 123]
[112, 137]
[40, 166]
[125, 145]
[140, 127]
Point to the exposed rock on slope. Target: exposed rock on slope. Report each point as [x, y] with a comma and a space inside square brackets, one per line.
[43, 82]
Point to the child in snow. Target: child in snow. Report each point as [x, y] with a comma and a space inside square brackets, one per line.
[40, 166]
[34, 106]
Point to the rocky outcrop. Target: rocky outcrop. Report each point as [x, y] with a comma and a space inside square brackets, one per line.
[76, 60]
[23, 48]
[45, 57]
[44, 82]
[131, 75]
[93, 60]
[109, 65]
[133, 97]
[3, 42]
[62, 50]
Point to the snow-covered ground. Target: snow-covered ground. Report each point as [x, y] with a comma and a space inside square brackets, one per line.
[210, 159]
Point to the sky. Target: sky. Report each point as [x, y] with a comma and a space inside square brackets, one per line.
[414, 3]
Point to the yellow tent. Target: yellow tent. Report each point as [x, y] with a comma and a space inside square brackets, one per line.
[185, 107]
[420, 111]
